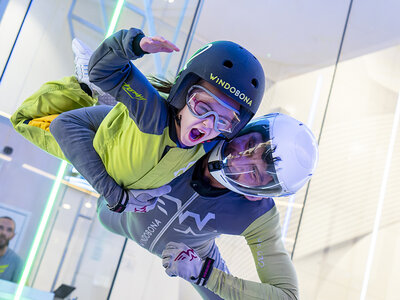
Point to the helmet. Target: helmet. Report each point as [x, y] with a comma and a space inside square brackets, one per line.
[274, 155]
[230, 68]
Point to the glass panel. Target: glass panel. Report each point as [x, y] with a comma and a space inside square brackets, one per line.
[145, 270]
[26, 180]
[298, 58]
[347, 246]
[298, 47]
[75, 250]
[12, 15]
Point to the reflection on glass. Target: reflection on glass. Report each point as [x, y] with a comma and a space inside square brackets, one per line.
[356, 212]
[62, 231]
[10, 262]
[23, 191]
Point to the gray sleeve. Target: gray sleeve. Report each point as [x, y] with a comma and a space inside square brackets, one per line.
[275, 269]
[219, 263]
[74, 131]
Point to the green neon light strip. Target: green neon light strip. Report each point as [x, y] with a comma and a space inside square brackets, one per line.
[40, 231]
[56, 187]
[115, 17]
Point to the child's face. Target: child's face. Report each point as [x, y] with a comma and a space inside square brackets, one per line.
[194, 130]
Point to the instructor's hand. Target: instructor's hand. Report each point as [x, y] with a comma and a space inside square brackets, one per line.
[157, 44]
[180, 260]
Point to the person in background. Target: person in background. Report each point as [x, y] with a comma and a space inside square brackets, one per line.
[10, 262]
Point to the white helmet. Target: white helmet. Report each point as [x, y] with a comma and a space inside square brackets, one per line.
[274, 155]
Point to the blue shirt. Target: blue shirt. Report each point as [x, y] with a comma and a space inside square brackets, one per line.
[10, 266]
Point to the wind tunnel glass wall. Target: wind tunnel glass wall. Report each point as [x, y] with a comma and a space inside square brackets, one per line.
[345, 243]
[352, 108]
[75, 250]
[299, 69]
[348, 242]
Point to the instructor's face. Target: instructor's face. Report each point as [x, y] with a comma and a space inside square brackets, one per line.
[246, 160]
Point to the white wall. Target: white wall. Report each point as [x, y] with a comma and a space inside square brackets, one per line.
[42, 52]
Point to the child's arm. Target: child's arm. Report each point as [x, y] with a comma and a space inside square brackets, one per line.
[74, 132]
[111, 69]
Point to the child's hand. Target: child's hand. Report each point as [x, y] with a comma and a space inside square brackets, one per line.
[142, 201]
[157, 44]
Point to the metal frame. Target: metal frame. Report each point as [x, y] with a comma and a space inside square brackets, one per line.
[78, 216]
[147, 15]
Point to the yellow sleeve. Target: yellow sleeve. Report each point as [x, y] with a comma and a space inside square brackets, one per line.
[274, 267]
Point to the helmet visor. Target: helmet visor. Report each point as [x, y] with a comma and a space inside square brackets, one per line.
[248, 164]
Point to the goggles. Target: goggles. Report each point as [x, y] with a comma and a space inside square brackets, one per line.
[203, 104]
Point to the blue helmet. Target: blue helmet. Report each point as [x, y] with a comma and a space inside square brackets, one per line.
[231, 69]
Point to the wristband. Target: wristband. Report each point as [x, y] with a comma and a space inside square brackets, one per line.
[121, 205]
[205, 271]
[136, 45]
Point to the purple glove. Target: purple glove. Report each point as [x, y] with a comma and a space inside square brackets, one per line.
[142, 201]
[180, 260]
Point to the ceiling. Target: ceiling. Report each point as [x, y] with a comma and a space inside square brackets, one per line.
[295, 37]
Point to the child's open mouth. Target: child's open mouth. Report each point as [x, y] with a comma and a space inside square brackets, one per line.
[196, 134]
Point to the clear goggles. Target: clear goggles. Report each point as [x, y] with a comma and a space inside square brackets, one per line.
[203, 104]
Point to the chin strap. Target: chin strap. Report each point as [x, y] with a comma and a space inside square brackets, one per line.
[178, 119]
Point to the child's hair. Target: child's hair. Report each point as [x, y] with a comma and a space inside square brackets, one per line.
[162, 85]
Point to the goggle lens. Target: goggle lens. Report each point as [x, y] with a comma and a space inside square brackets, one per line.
[203, 104]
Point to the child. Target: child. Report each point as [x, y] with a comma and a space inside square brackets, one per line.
[144, 141]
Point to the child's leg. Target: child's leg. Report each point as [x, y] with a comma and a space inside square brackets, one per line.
[35, 114]
[74, 132]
